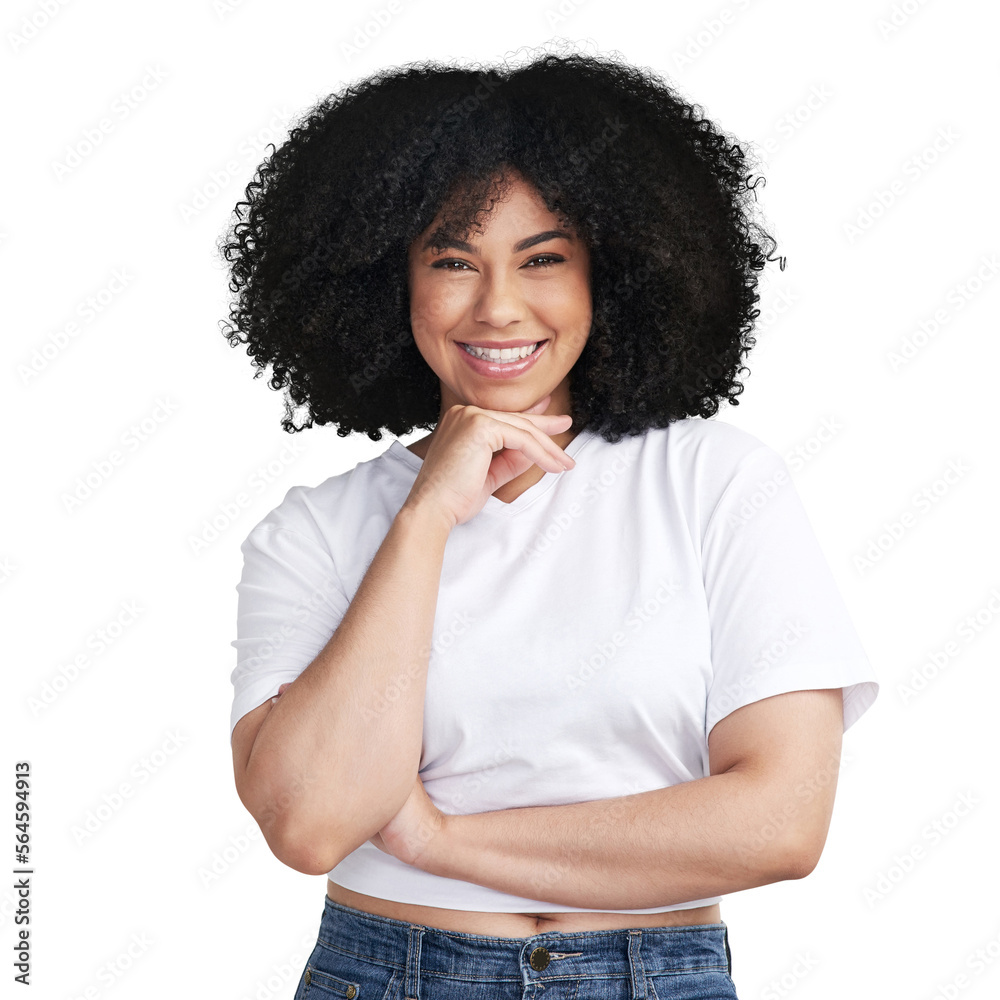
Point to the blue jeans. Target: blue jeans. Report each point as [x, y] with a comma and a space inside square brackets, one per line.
[360, 956]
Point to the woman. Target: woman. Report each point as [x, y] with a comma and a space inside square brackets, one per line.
[537, 689]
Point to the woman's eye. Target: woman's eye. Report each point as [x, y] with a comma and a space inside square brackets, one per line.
[544, 260]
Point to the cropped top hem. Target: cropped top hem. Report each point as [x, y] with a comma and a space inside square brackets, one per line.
[502, 904]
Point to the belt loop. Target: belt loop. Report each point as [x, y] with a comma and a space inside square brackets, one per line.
[729, 957]
[411, 986]
[638, 971]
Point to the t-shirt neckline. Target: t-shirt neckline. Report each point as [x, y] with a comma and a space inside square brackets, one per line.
[494, 506]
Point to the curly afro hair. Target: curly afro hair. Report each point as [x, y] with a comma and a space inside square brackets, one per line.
[664, 200]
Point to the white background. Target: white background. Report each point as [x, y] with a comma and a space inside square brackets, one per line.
[844, 101]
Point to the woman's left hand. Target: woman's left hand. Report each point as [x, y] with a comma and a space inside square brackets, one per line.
[410, 834]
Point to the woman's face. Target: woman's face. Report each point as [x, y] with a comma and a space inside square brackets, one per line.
[525, 280]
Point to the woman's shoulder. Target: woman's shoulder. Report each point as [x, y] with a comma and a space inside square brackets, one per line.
[706, 441]
[314, 509]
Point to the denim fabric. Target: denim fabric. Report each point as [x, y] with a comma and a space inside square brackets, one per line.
[360, 956]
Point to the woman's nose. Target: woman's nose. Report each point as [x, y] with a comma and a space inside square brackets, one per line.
[499, 301]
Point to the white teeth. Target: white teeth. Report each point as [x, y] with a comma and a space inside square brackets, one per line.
[504, 354]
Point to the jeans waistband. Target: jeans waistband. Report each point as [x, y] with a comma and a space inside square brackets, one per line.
[415, 950]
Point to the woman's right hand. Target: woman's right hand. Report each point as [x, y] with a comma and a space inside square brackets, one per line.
[473, 452]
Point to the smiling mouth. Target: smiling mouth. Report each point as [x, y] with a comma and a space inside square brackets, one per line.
[507, 355]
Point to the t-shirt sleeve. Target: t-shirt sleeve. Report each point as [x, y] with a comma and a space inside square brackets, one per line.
[778, 620]
[290, 603]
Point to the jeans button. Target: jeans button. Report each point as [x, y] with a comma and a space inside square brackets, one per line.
[351, 992]
[539, 959]
[307, 978]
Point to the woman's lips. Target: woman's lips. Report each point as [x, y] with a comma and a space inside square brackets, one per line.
[502, 369]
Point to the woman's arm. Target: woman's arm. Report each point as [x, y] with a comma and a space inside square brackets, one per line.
[761, 816]
[333, 759]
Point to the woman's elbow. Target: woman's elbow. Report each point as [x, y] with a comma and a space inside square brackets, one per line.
[305, 852]
[287, 835]
[802, 856]
[305, 858]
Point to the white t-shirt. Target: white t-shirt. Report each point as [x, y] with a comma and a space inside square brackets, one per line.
[587, 636]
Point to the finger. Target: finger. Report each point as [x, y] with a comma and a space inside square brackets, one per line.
[536, 445]
[542, 438]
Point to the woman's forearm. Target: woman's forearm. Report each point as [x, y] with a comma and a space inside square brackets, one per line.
[690, 841]
[335, 757]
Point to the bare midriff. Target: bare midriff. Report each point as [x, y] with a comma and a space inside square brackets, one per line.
[516, 924]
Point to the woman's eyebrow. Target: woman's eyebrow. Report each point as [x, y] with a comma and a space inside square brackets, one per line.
[549, 234]
[528, 241]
